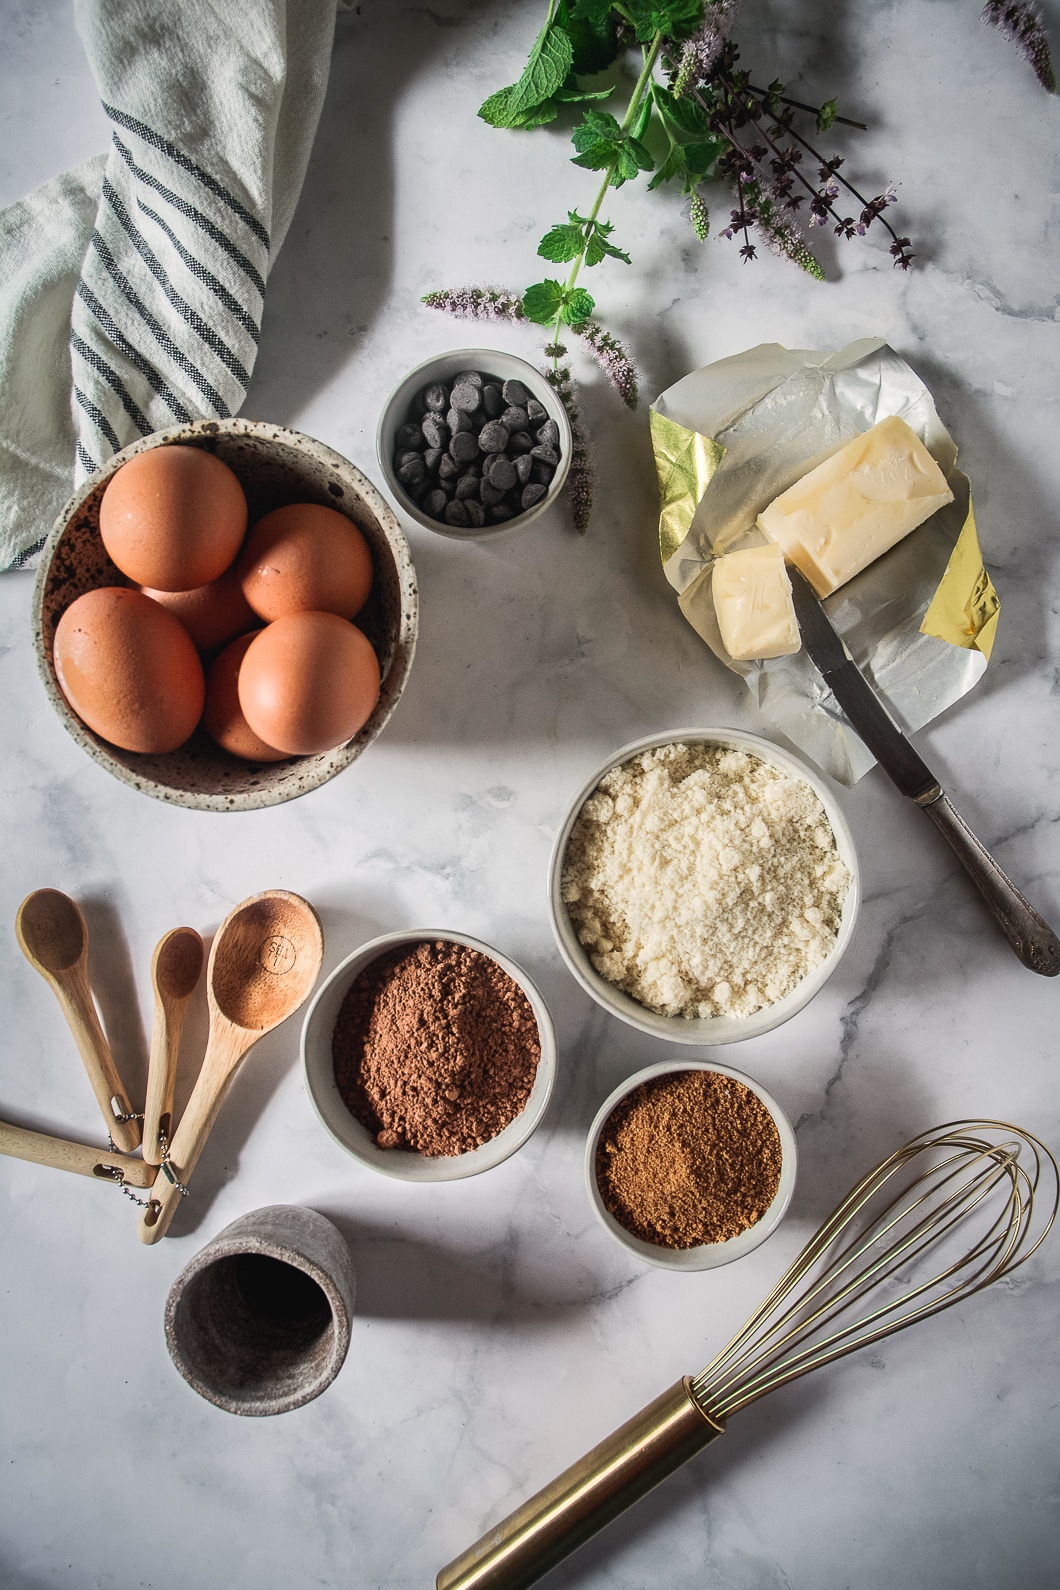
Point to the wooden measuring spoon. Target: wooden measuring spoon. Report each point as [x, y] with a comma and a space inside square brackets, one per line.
[175, 971]
[54, 939]
[264, 962]
[78, 1157]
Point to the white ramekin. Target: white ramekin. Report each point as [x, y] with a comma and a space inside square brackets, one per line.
[709, 1254]
[347, 1130]
[704, 1029]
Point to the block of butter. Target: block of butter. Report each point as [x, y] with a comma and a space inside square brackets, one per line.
[855, 506]
[752, 598]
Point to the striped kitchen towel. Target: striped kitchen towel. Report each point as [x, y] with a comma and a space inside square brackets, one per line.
[131, 289]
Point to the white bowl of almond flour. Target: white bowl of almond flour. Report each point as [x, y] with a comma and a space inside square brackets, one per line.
[704, 885]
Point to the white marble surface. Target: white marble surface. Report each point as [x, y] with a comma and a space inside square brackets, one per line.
[499, 1331]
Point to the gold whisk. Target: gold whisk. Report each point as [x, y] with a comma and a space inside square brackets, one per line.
[977, 1196]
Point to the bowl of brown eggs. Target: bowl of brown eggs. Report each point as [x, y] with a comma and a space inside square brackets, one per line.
[225, 615]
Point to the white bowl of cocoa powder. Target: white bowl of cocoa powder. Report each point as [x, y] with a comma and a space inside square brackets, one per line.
[429, 1056]
[690, 1164]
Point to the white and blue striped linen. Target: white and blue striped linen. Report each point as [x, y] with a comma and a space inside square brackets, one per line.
[212, 114]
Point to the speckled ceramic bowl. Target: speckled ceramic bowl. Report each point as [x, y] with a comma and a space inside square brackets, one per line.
[275, 466]
[443, 367]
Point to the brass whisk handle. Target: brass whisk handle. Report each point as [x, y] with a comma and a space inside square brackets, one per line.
[602, 1484]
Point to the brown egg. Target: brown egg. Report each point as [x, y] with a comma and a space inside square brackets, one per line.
[173, 518]
[305, 559]
[308, 682]
[129, 670]
[223, 718]
[212, 614]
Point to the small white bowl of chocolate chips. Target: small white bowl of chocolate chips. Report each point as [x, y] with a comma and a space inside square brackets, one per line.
[473, 443]
[429, 1056]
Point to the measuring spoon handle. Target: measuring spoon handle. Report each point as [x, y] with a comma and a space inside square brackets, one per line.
[228, 1044]
[75, 997]
[80, 1158]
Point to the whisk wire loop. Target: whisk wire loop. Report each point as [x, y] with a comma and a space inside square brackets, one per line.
[974, 1174]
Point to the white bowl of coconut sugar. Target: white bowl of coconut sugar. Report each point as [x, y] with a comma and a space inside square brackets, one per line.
[704, 885]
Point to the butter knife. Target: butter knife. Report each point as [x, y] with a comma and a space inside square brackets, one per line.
[1028, 933]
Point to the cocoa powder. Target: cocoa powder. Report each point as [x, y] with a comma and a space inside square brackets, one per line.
[435, 1048]
[688, 1158]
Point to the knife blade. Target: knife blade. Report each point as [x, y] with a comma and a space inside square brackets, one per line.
[1027, 932]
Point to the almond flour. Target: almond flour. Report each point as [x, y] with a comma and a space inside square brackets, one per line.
[704, 881]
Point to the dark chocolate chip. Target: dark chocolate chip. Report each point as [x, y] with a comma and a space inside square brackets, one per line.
[435, 430]
[516, 393]
[493, 437]
[531, 494]
[500, 513]
[467, 486]
[542, 473]
[409, 436]
[437, 398]
[492, 400]
[468, 378]
[500, 471]
[432, 458]
[457, 420]
[548, 435]
[434, 503]
[546, 455]
[488, 493]
[475, 512]
[516, 419]
[412, 471]
[448, 468]
[523, 465]
[465, 396]
[521, 442]
[536, 411]
[464, 447]
[456, 513]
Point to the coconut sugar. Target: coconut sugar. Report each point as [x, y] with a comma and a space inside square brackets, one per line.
[704, 881]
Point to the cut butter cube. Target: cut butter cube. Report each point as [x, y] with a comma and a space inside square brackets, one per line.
[752, 598]
[855, 506]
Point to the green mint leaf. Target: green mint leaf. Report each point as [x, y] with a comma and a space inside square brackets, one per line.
[682, 116]
[672, 166]
[538, 115]
[562, 243]
[578, 96]
[543, 301]
[545, 72]
[596, 126]
[827, 114]
[578, 306]
[599, 157]
[645, 161]
[678, 19]
[495, 110]
[595, 12]
[643, 117]
[700, 158]
[595, 42]
[599, 248]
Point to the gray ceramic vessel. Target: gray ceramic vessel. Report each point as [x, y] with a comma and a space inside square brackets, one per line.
[259, 1321]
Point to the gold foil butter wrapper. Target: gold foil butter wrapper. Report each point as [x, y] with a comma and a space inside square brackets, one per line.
[919, 622]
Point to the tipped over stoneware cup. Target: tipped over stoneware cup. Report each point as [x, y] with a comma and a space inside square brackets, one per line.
[259, 1321]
